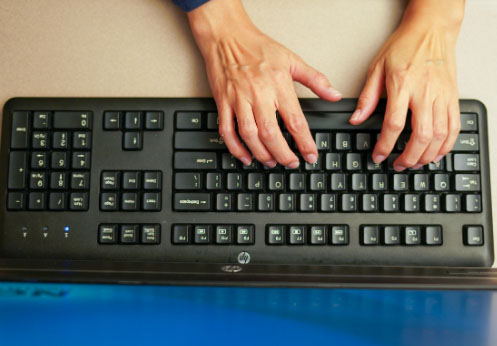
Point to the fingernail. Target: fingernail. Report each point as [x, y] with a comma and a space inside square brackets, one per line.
[399, 168]
[378, 158]
[334, 91]
[271, 163]
[356, 115]
[246, 161]
[438, 158]
[418, 166]
[311, 158]
[294, 164]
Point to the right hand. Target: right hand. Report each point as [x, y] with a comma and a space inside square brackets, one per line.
[251, 77]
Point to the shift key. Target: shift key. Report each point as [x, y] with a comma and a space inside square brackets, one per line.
[195, 160]
[192, 201]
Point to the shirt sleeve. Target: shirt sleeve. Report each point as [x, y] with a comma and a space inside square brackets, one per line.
[189, 5]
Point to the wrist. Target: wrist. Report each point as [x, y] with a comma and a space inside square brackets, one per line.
[443, 14]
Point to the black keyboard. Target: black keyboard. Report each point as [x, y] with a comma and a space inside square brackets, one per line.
[152, 180]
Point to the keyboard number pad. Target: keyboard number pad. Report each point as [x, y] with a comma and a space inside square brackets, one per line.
[50, 160]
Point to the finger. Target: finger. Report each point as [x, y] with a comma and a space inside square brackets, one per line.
[270, 133]
[314, 80]
[393, 123]
[228, 133]
[370, 95]
[296, 123]
[249, 133]
[421, 136]
[440, 131]
[454, 128]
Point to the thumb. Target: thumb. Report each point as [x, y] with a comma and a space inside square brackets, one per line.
[314, 80]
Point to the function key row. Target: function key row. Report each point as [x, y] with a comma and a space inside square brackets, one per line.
[307, 234]
[213, 234]
[129, 234]
[401, 235]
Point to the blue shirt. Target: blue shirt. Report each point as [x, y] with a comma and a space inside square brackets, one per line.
[188, 5]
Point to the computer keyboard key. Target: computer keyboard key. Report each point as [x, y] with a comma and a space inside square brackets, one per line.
[468, 182]
[234, 181]
[60, 141]
[245, 235]
[195, 140]
[38, 181]
[318, 182]
[363, 141]
[192, 201]
[15, 201]
[110, 180]
[212, 121]
[130, 201]
[338, 182]
[342, 141]
[287, 202]
[317, 235]
[39, 160]
[224, 202]
[359, 182]
[372, 166]
[466, 142]
[20, 130]
[188, 181]
[441, 182]
[412, 235]
[296, 235]
[402, 141]
[214, 181]
[437, 166]
[400, 182]
[150, 234]
[57, 201]
[452, 203]
[107, 234]
[255, 181]
[370, 235]
[41, 140]
[224, 234]
[81, 160]
[17, 170]
[245, 202]
[133, 120]
[473, 203]
[333, 162]
[391, 235]
[254, 166]
[152, 180]
[72, 120]
[339, 235]
[202, 234]
[307, 202]
[323, 141]
[109, 201]
[59, 160]
[229, 162]
[154, 121]
[80, 180]
[349, 202]
[380, 182]
[275, 235]
[469, 122]
[58, 181]
[265, 202]
[41, 120]
[152, 201]
[37, 201]
[353, 162]
[78, 201]
[328, 202]
[411, 203]
[195, 160]
[433, 235]
[112, 121]
[316, 166]
[297, 182]
[466, 162]
[188, 120]
[131, 180]
[129, 234]
[421, 182]
[473, 235]
[432, 203]
[369, 202]
[132, 141]
[390, 160]
[81, 140]
[276, 182]
[391, 203]
[181, 234]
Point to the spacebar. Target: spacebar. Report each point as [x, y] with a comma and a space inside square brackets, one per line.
[340, 121]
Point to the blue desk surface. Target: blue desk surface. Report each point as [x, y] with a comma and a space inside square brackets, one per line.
[76, 314]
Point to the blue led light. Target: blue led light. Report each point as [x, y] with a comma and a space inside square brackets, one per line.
[66, 229]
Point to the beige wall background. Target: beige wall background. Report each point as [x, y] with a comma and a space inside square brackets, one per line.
[144, 47]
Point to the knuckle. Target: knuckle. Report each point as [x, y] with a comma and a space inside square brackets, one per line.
[295, 123]
[267, 131]
[440, 133]
[394, 123]
[225, 129]
[423, 134]
[456, 127]
[248, 131]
